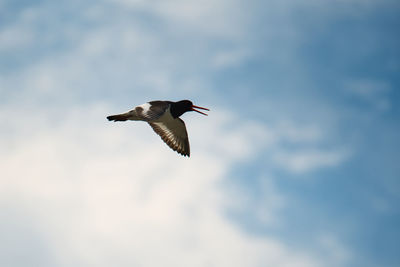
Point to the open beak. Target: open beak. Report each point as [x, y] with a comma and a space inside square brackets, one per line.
[193, 108]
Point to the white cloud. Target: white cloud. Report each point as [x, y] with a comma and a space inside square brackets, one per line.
[305, 160]
[100, 193]
[301, 148]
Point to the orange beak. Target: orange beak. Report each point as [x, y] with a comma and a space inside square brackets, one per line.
[193, 108]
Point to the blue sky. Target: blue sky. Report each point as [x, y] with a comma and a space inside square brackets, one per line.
[296, 165]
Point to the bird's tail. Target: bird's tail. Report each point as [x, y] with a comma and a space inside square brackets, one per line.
[119, 117]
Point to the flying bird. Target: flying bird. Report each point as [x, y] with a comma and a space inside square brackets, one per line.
[163, 117]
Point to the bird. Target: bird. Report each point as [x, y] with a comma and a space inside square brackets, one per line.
[163, 117]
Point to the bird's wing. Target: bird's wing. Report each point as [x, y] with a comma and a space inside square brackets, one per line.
[173, 133]
[150, 111]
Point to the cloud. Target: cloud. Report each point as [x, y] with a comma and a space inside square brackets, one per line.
[86, 192]
[374, 93]
[301, 148]
[123, 55]
[305, 160]
[224, 19]
[99, 193]
[332, 246]
[12, 38]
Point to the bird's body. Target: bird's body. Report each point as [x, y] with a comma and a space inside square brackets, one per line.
[163, 117]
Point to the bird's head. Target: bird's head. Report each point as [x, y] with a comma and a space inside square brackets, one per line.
[180, 107]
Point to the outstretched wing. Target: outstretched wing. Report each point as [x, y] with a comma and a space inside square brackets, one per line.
[173, 133]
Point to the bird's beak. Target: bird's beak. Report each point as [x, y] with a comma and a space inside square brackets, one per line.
[193, 108]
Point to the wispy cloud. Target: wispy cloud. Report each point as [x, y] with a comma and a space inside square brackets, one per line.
[301, 161]
[373, 92]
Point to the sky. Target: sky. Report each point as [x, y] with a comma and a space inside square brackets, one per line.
[296, 164]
